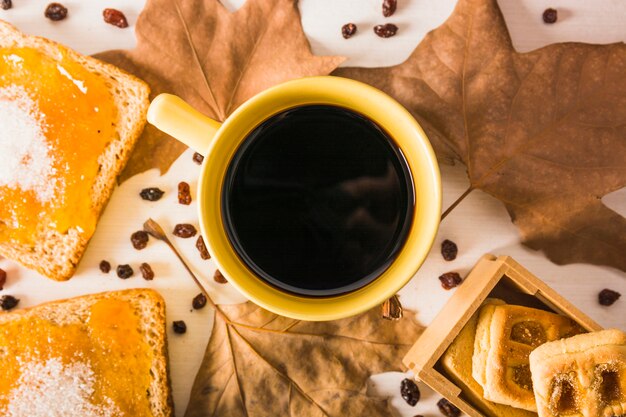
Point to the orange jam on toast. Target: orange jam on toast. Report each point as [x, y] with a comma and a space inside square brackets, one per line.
[56, 119]
[99, 367]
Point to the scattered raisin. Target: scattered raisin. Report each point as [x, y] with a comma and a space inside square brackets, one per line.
[410, 392]
[219, 278]
[151, 194]
[124, 271]
[184, 195]
[204, 252]
[449, 250]
[389, 7]
[549, 16]
[6, 4]
[3, 278]
[450, 280]
[348, 30]
[607, 297]
[7, 302]
[386, 31]
[146, 271]
[179, 327]
[447, 408]
[139, 239]
[199, 301]
[56, 12]
[115, 17]
[105, 266]
[198, 158]
[185, 230]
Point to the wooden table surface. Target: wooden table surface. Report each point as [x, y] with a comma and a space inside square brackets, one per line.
[479, 225]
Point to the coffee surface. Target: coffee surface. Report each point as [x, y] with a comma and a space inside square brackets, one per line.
[318, 200]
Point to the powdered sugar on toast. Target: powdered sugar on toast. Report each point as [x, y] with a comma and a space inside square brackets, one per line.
[52, 389]
[26, 160]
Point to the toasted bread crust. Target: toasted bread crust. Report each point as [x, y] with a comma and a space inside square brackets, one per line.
[54, 254]
[148, 305]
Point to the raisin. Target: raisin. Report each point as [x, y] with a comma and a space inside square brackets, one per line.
[3, 278]
[219, 278]
[449, 250]
[146, 271]
[151, 194]
[139, 239]
[389, 7]
[56, 12]
[184, 195]
[386, 31]
[179, 327]
[549, 16]
[204, 252]
[450, 280]
[7, 302]
[607, 297]
[6, 4]
[199, 301]
[124, 271]
[447, 408]
[184, 230]
[105, 266]
[198, 158]
[410, 392]
[115, 17]
[348, 30]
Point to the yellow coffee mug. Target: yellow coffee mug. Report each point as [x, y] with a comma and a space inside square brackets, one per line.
[219, 143]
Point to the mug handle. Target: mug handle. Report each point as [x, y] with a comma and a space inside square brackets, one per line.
[174, 116]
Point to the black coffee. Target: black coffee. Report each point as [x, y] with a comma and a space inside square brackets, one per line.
[318, 200]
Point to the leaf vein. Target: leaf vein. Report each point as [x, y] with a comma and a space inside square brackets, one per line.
[249, 57]
[196, 59]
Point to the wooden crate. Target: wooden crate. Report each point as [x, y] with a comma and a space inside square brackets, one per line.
[492, 276]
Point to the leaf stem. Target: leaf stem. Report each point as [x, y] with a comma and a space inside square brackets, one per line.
[156, 231]
[217, 110]
[456, 203]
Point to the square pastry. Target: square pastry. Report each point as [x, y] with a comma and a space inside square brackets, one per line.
[582, 376]
[505, 336]
[457, 362]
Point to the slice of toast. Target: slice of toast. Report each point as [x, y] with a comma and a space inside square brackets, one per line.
[100, 355]
[56, 254]
[457, 362]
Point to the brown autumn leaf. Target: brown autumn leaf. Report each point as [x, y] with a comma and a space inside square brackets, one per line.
[214, 59]
[260, 364]
[544, 131]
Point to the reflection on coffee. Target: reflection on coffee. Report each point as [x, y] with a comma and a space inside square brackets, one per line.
[318, 200]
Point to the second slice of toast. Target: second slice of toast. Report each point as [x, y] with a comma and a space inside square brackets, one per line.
[101, 355]
[53, 253]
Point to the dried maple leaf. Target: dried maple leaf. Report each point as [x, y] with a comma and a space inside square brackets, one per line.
[214, 59]
[544, 131]
[261, 364]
